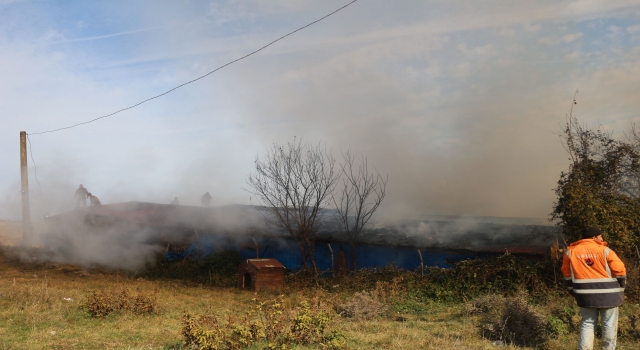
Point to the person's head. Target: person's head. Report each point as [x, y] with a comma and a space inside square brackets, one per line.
[81, 186]
[592, 232]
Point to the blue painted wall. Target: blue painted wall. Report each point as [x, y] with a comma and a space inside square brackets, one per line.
[287, 252]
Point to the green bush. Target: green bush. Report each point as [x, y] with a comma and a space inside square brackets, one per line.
[557, 327]
[565, 315]
[599, 187]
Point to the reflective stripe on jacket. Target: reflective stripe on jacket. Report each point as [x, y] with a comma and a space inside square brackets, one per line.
[594, 274]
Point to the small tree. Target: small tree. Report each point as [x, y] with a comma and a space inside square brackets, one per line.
[360, 195]
[294, 183]
[598, 188]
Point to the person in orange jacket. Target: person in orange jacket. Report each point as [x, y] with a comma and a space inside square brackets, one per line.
[595, 277]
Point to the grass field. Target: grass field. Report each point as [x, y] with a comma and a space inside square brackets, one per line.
[41, 308]
[35, 314]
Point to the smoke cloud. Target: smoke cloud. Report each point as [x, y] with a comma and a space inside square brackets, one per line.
[457, 102]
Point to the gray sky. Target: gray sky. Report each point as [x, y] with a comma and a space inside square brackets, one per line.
[457, 101]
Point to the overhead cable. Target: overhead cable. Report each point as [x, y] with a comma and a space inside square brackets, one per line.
[35, 168]
[196, 79]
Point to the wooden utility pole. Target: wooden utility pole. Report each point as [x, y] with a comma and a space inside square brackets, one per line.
[24, 177]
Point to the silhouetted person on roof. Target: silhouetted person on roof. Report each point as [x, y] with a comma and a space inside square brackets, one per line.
[94, 200]
[206, 199]
[175, 201]
[81, 196]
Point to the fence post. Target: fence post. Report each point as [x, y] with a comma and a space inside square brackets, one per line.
[421, 263]
[332, 268]
[257, 251]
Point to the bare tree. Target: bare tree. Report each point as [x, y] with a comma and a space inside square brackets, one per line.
[294, 183]
[360, 195]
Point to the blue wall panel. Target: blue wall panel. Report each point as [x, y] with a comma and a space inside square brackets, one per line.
[287, 252]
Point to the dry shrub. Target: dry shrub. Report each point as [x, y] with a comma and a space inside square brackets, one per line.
[389, 292]
[486, 304]
[492, 330]
[206, 332]
[522, 324]
[100, 304]
[144, 305]
[267, 321]
[364, 305]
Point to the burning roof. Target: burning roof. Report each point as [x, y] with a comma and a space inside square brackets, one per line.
[249, 221]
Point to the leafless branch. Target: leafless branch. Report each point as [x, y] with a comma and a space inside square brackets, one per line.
[360, 195]
[294, 183]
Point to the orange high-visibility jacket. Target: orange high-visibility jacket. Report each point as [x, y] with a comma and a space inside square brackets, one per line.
[594, 274]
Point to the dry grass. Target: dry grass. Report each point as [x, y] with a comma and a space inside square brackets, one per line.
[441, 328]
[36, 313]
[362, 305]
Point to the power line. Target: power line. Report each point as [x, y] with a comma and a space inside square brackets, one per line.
[196, 79]
[35, 168]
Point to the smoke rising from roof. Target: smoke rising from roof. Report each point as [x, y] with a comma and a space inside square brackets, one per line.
[113, 247]
[129, 235]
[457, 102]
